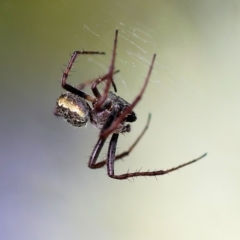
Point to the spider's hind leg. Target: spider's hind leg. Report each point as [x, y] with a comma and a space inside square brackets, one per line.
[149, 173]
[127, 152]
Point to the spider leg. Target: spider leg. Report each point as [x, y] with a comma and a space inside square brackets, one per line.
[113, 122]
[111, 155]
[94, 156]
[81, 86]
[110, 164]
[106, 132]
[98, 81]
[104, 96]
[126, 153]
[73, 59]
[99, 145]
[70, 88]
[111, 158]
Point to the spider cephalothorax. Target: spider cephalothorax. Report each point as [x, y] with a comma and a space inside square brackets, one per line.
[108, 112]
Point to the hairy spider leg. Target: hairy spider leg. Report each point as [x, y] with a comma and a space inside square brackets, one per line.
[127, 152]
[109, 76]
[70, 88]
[111, 157]
[106, 132]
[81, 86]
[99, 80]
[114, 120]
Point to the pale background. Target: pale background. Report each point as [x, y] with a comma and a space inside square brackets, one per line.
[47, 190]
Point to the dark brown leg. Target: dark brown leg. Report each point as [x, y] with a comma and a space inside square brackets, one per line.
[70, 88]
[81, 86]
[126, 153]
[72, 60]
[148, 173]
[109, 76]
[98, 147]
[111, 160]
[98, 81]
[94, 156]
[111, 154]
[118, 120]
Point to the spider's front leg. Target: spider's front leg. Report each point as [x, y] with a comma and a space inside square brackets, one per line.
[69, 87]
[97, 81]
[109, 78]
[129, 109]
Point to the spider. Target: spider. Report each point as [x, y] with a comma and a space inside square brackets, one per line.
[110, 113]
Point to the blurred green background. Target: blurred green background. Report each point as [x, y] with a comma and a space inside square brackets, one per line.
[47, 190]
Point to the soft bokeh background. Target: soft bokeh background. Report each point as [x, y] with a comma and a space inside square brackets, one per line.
[47, 190]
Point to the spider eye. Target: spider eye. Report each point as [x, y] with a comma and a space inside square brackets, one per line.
[73, 109]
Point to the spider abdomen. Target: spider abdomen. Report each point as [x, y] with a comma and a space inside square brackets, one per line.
[73, 109]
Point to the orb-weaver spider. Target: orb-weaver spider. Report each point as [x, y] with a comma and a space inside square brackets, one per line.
[109, 113]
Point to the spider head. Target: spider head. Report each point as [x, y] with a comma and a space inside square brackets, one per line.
[73, 109]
